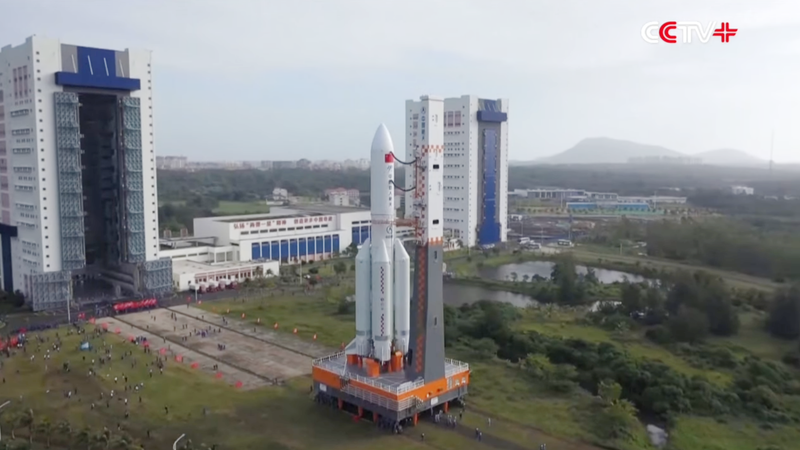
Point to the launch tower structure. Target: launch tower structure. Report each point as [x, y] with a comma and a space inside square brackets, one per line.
[395, 368]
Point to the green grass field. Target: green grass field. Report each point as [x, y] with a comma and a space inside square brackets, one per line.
[268, 418]
[241, 208]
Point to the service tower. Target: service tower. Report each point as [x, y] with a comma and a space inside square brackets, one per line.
[395, 367]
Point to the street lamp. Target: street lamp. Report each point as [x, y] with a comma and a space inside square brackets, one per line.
[175, 444]
[1, 407]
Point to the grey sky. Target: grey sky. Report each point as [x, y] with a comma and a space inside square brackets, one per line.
[270, 79]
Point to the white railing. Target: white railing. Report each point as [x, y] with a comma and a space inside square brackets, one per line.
[454, 367]
[405, 387]
[375, 399]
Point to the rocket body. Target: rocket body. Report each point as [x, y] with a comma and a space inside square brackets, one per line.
[382, 267]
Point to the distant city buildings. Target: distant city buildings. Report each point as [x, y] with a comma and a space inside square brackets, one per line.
[475, 166]
[183, 163]
[742, 190]
[171, 162]
[563, 195]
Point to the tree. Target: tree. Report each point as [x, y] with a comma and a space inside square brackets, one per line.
[514, 276]
[45, 428]
[609, 391]
[784, 316]
[570, 291]
[591, 276]
[631, 298]
[525, 278]
[689, 325]
[339, 268]
[64, 429]
[84, 438]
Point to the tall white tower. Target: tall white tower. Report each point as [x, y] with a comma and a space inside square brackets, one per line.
[475, 134]
[78, 198]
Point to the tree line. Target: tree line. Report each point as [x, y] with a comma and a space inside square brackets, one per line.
[254, 185]
[629, 179]
[722, 243]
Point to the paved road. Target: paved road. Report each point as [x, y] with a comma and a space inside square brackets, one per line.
[230, 374]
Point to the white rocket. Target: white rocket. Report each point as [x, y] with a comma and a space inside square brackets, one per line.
[383, 268]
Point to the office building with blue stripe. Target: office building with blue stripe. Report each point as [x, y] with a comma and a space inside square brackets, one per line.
[289, 235]
[475, 167]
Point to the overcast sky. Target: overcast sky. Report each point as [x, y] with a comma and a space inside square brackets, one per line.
[277, 79]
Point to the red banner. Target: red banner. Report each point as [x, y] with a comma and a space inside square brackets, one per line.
[132, 306]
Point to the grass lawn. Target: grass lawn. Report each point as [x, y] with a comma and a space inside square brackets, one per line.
[703, 433]
[226, 208]
[267, 418]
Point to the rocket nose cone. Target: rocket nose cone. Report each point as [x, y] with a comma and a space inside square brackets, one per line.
[382, 141]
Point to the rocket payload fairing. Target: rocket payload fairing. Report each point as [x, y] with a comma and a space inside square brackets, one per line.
[383, 267]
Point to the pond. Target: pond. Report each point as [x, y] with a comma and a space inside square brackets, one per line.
[544, 268]
[458, 294]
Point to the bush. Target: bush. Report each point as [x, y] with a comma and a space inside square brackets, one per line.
[659, 335]
[690, 325]
[346, 307]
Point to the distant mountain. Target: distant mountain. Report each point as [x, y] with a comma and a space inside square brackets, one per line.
[730, 157]
[607, 151]
[614, 151]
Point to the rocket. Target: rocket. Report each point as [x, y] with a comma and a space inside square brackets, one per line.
[383, 267]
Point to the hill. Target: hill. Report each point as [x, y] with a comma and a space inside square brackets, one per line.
[607, 151]
[730, 157]
[615, 151]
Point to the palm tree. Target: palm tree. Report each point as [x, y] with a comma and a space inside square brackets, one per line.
[100, 440]
[84, 438]
[64, 429]
[45, 427]
[23, 420]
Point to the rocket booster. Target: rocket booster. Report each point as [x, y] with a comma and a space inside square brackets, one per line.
[383, 272]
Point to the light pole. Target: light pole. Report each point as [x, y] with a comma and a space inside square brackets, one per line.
[175, 444]
[1, 407]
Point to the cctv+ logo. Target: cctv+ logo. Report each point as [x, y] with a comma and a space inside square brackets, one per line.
[655, 32]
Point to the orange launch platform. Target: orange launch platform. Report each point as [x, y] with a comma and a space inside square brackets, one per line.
[358, 385]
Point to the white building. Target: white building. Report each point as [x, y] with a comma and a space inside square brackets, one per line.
[475, 167]
[742, 190]
[280, 194]
[288, 235]
[196, 262]
[76, 122]
[343, 197]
